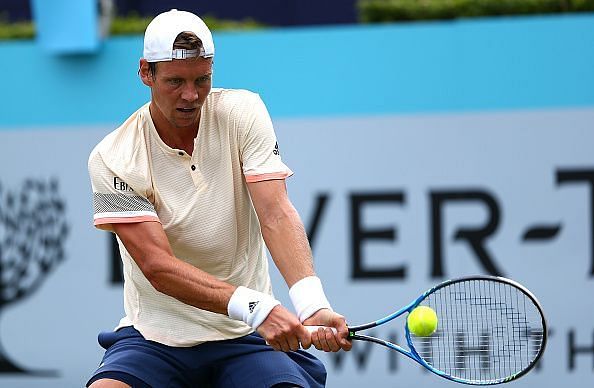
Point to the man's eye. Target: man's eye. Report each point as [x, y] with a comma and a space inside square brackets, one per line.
[175, 81]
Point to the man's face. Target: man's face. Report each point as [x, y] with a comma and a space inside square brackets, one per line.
[178, 90]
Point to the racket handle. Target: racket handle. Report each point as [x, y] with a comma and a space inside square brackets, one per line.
[311, 329]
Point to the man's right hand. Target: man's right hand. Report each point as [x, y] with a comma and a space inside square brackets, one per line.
[282, 330]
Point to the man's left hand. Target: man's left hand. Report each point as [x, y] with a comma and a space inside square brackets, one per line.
[324, 338]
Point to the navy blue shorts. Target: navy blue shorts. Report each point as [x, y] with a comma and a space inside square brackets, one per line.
[241, 362]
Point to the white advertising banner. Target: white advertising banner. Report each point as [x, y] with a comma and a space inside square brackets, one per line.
[397, 204]
[392, 205]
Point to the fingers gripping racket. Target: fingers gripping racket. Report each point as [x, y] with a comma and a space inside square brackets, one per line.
[491, 330]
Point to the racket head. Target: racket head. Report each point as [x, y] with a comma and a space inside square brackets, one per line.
[491, 330]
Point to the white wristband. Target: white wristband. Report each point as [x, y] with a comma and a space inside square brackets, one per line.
[250, 306]
[308, 297]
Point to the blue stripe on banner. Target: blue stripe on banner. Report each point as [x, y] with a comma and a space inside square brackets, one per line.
[495, 64]
[456, 66]
[55, 90]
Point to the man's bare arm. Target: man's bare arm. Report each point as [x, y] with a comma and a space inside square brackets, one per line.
[287, 242]
[148, 245]
[282, 230]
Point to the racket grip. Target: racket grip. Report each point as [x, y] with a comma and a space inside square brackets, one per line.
[312, 328]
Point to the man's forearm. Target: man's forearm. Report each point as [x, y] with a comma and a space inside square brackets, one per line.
[191, 285]
[147, 243]
[287, 242]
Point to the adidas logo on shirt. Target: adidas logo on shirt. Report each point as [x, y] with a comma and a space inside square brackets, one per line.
[252, 306]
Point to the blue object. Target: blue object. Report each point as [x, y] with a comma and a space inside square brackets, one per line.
[241, 362]
[482, 65]
[67, 26]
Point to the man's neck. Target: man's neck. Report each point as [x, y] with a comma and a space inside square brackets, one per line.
[175, 137]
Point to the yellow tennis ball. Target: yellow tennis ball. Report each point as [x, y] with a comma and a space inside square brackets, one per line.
[422, 321]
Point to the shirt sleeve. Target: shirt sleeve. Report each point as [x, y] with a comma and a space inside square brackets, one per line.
[114, 201]
[261, 157]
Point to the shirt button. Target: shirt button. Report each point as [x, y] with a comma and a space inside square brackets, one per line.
[181, 153]
[193, 168]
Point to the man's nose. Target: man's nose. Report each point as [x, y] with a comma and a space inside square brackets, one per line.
[190, 93]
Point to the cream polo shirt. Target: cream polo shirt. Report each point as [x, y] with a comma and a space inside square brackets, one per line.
[201, 200]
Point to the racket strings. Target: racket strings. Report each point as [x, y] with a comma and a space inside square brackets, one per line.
[488, 331]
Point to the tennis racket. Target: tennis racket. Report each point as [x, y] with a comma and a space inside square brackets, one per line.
[491, 330]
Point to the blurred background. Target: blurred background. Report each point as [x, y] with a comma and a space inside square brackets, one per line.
[430, 140]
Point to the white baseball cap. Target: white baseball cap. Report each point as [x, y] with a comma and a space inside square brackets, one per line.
[164, 28]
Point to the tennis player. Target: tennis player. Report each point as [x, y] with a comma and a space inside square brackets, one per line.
[193, 185]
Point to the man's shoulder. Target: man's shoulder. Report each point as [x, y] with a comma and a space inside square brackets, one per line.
[221, 98]
[123, 142]
[232, 93]
[124, 136]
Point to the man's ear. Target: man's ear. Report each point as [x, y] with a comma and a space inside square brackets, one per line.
[145, 73]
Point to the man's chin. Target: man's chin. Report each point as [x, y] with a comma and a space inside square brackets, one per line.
[182, 123]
